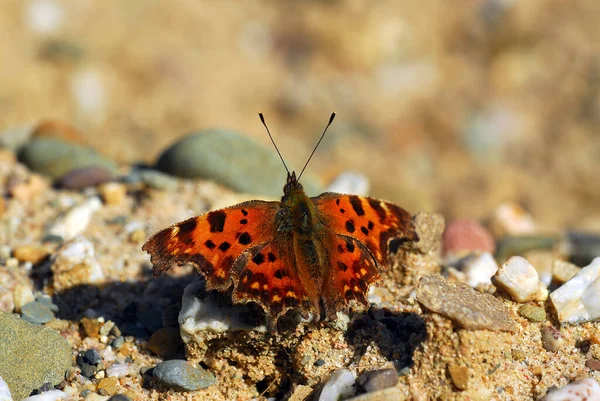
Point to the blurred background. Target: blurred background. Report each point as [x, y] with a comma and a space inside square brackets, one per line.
[454, 107]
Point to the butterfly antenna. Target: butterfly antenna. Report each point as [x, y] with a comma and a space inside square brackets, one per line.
[320, 139]
[262, 119]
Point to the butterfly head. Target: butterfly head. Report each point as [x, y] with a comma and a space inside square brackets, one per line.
[292, 185]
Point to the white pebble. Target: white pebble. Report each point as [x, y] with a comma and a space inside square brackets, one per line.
[350, 182]
[479, 269]
[118, 370]
[107, 354]
[76, 220]
[578, 300]
[48, 396]
[510, 218]
[579, 390]
[520, 280]
[4, 391]
[44, 16]
[339, 386]
[22, 295]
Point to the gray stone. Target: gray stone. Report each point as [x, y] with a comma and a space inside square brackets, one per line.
[56, 157]
[119, 397]
[462, 304]
[374, 380]
[36, 312]
[85, 177]
[180, 375]
[30, 355]
[231, 159]
[157, 180]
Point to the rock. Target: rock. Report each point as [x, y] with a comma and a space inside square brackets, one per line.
[26, 190]
[513, 246]
[75, 221]
[157, 180]
[463, 237]
[374, 380]
[30, 253]
[208, 155]
[37, 313]
[477, 269]
[76, 265]
[429, 228]
[511, 219]
[563, 271]
[389, 394]
[7, 303]
[92, 356]
[165, 342]
[579, 390]
[85, 177]
[22, 295]
[542, 261]
[118, 370]
[339, 386]
[51, 395]
[520, 280]
[578, 300]
[181, 376]
[593, 364]
[59, 130]
[31, 355]
[113, 193]
[552, 338]
[4, 391]
[119, 397]
[463, 305]
[459, 376]
[56, 157]
[533, 313]
[108, 386]
[299, 393]
[350, 182]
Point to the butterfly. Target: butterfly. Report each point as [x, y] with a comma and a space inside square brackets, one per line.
[301, 253]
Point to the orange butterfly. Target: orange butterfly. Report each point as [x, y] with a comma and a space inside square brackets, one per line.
[291, 254]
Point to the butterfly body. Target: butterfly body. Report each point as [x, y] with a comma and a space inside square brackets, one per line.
[299, 253]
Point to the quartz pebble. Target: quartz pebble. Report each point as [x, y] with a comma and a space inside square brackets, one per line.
[463, 305]
[520, 280]
[477, 269]
[118, 370]
[340, 385]
[75, 220]
[578, 300]
[76, 265]
[579, 390]
[552, 338]
[511, 219]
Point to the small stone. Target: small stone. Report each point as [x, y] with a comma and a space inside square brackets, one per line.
[181, 376]
[579, 390]
[477, 269]
[593, 364]
[582, 246]
[92, 356]
[75, 221]
[375, 380]
[51, 395]
[459, 376]
[46, 300]
[118, 370]
[319, 362]
[91, 327]
[511, 219]
[106, 328]
[513, 246]
[157, 180]
[58, 129]
[339, 386]
[37, 313]
[88, 370]
[76, 265]
[520, 280]
[429, 228]
[117, 342]
[30, 253]
[7, 303]
[533, 313]
[542, 261]
[552, 338]
[22, 295]
[85, 177]
[300, 393]
[462, 237]
[119, 397]
[463, 305]
[388, 394]
[113, 193]
[109, 385]
[595, 349]
[137, 236]
[165, 342]
[563, 271]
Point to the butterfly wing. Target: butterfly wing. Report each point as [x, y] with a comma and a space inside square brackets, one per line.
[212, 242]
[372, 222]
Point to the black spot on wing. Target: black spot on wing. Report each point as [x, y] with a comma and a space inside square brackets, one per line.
[349, 246]
[271, 257]
[280, 274]
[209, 244]
[244, 221]
[364, 230]
[188, 226]
[224, 246]
[376, 205]
[259, 258]
[244, 239]
[350, 226]
[340, 248]
[371, 225]
[342, 266]
[357, 205]
[216, 220]
[244, 212]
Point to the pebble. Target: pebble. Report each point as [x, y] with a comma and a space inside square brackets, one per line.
[350, 182]
[47, 300]
[339, 386]
[459, 376]
[429, 227]
[477, 269]
[462, 304]
[300, 392]
[119, 397]
[532, 312]
[108, 386]
[165, 342]
[463, 237]
[75, 265]
[118, 370]
[552, 338]
[520, 280]
[511, 219]
[22, 295]
[87, 370]
[48, 396]
[92, 356]
[37, 313]
[208, 154]
[30, 253]
[75, 221]
[389, 394]
[563, 271]
[85, 177]
[593, 364]
[7, 303]
[375, 380]
[578, 300]
[180, 375]
[55, 157]
[4, 391]
[157, 180]
[579, 390]
[113, 193]
[542, 261]
[59, 130]
[31, 355]
[117, 342]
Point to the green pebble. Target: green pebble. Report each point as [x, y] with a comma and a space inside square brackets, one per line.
[532, 312]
